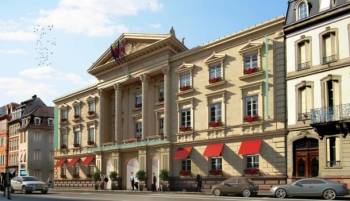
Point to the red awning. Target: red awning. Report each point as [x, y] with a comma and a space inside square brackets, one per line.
[88, 160]
[73, 161]
[213, 150]
[182, 153]
[250, 147]
[60, 162]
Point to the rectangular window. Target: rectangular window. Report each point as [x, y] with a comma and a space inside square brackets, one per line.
[305, 103]
[215, 72]
[304, 55]
[215, 112]
[253, 161]
[64, 114]
[76, 171]
[77, 137]
[49, 121]
[138, 100]
[185, 81]
[37, 121]
[186, 118]
[91, 170]
[91, 135]
[64, 138]
[251, 61]
[161, 94]
[186, 165]
[251, 106]
[333, 152]
[77, 111]
[216, 163]
[161, 125]
[138, 129]
[92, 106]
[329, 47]
[63, 172]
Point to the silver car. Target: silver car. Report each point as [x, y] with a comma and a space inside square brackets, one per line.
[312, 187]
[28, 184]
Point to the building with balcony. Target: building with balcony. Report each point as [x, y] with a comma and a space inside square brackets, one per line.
[31, 139]
[318, 65]
[217, 110]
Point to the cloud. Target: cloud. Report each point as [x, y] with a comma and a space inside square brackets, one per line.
[13, 51]
[11, 30]
[95, 17]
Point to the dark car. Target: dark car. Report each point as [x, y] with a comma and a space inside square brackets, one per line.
[236, 186]
[312, 187]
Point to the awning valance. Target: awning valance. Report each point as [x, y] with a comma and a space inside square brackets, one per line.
[73, 161]
[182, 153]
[250, 147]
[88, 160]
[60, 162]
[213, 150]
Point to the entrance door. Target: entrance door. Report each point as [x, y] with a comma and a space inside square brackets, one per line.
[306, 162]
[155, 170]
[131, 169]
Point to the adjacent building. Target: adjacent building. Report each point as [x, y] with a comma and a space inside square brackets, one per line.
[31, 139]
[317, 35]
[217, 110]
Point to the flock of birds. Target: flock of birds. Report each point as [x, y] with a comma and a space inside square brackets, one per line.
[44, 45]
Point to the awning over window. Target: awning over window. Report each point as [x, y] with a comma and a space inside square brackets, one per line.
[88, 160]
[250, 147]
[213, 150]
[60, 162]
[73, 161]
[182, 153]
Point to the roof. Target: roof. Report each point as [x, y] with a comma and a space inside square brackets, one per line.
[44, 112]
[31, 105]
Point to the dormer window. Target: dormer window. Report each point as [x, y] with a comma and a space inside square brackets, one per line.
[50, 121]
[303, 10]
[37, 120]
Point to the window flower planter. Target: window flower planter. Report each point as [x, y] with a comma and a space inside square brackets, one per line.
[214, 124]
[251, 171]
[251, 118]
[184, 88]
[91, 142]
[63, 146]
[185, 128]
[215, 172]
[185, 173]
[91, 113]
[63, 176]
[76, 145]
[76, 116]
[63, 120]
[161, 99]
[214, 80]
[76, 176]
[138, 105]
[250, 71]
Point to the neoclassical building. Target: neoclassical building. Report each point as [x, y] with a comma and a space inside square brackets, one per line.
[217, 110]
[317, 35]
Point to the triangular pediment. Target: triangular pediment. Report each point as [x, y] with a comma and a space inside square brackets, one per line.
[250, 47]
[184, 67]
[215, 57]
[126, 44]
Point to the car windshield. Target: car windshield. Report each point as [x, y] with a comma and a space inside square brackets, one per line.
[30, 179]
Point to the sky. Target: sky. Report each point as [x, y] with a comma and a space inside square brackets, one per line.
[47, 46]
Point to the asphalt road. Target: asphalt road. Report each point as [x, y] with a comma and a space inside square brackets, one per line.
[89, 196]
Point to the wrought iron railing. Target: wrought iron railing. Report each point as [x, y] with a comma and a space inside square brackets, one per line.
[329, 114]
[333, 163]
[303, 66]
[329, 59]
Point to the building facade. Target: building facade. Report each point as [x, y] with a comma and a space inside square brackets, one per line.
[217, 110]
[31, 139]
[318, 65]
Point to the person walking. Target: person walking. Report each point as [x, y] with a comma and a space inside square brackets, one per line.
[7, 184]
[136, 183]
[154, 182]
[199, 183]
[132, 180]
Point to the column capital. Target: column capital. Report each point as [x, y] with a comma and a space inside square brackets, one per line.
[117, 86]
[100, 91]
[165, 70]
[143, 77]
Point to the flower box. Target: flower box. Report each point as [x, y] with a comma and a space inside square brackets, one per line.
[63, 146]
[251, 171]
[215, 124]
[63, 120]
[215, 172]
[76, 145]
[185, 88]
[185, 173]
[214, 80]
[250, 71]
[138, 105]
[76, 116]
[131, 140]
[63, 176]
[76, 176]
[251, 118]
[161, 99]
[91, 113]
[185, 128]
[91, 142]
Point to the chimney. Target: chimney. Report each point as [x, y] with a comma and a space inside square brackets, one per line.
[34, 97]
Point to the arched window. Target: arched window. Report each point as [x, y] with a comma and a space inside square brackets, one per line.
[303, 10]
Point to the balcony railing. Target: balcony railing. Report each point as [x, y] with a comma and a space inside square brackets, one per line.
[303, 66]
[330, 114]
[333, 163]
[329, 59]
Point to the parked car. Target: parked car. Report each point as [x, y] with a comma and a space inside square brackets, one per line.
[28, 184]
[312, 187]
[236, 185]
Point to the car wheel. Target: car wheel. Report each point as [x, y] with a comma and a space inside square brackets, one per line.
[281, 193]
[246, 193]
[329, 194]
[44, 191]
[24, 190]
[217, 192]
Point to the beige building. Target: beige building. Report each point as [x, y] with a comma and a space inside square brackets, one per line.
[216, 110]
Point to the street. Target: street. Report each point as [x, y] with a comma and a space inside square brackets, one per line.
[72, 196]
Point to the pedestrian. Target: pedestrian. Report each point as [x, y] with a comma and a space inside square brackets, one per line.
[154, 182]
[49, 182]
[199, 183]
[105, 182]
[136, 183]
[132, 180]
[7, 184]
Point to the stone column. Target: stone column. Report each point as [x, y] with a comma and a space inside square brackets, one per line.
[99, 162]
[144, 80]
[117, 120]
[166, 72]
[101, 117]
